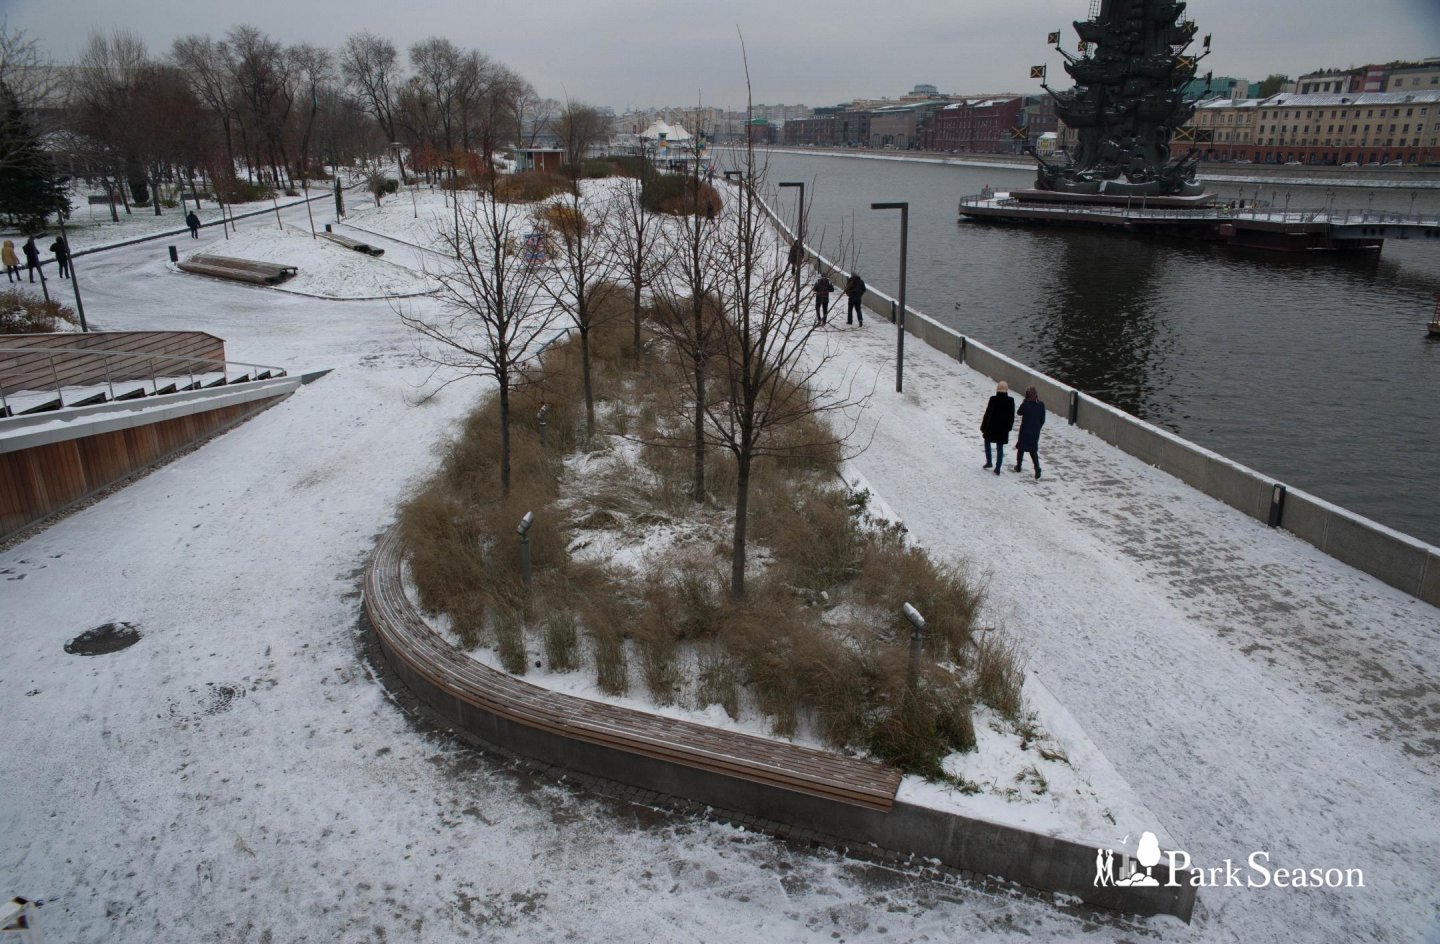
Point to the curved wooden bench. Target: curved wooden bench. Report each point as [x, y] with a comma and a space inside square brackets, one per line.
[405, 636]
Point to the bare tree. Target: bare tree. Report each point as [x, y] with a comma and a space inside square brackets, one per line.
[638, 244]
[440, 70]
[313, 69]
[583, 268]
[104, 103]
[206, 65]
[371, 66]
[579, 128]
[695, 258]
[492, 322]
[774, 402]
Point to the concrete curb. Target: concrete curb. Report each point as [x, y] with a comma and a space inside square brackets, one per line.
[970, 844]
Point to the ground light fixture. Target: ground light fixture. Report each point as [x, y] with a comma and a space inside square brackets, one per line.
[523, 529]
[917, 637]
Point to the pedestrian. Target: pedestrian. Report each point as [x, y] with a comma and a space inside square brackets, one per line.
[995, 426]
[1032, 417]
[62, 256]
[32, 258]
[12, 261]
[822, 289]
[193, 221]
[855, 292]
[797, 254]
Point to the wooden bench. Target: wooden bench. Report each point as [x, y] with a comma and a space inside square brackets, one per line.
[354, 244]
[239, 270]
[405, 635]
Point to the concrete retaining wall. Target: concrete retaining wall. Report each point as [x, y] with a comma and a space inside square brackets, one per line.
[1397, 559]
[985, 848]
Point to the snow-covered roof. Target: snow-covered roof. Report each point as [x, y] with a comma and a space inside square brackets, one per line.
[1328, 99]
[661, 129]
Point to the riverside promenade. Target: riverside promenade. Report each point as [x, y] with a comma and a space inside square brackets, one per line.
[1257, 694]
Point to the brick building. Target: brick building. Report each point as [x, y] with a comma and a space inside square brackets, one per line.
[979, 126]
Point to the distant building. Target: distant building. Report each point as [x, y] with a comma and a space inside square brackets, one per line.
[901, 126]
[1329, 80]
[1318, 128]
[763, 132]
[984, 126]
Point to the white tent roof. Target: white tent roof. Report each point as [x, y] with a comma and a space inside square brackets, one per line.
[670, 132]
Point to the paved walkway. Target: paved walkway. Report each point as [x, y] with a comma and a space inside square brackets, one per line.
[1258, 694]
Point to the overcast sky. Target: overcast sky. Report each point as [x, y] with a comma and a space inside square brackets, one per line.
[650, 53]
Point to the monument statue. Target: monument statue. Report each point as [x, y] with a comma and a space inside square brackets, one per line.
[1127, 102]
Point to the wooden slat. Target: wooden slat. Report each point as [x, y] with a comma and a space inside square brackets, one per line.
[746, 757]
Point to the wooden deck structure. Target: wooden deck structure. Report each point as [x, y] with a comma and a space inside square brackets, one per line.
[32, 361]
[404, 635]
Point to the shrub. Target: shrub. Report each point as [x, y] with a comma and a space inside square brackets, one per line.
[676, 195]
[561, 639]
[529, 186]
[998, 675]
[235, 190]
[919, 728]
[22, 314]
[510, 640]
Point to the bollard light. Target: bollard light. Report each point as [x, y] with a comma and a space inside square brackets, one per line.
[523, 530]
[917, 635]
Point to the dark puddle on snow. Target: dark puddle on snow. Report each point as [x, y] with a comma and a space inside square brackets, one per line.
[110, 637]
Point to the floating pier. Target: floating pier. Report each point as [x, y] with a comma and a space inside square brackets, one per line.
[1203, 217]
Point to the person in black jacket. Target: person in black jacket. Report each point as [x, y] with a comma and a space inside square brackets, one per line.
[32, 258]
[855, 291]
[822, 288]
[1032, 417]
[62, 256]
[193, 221]
[999, 419]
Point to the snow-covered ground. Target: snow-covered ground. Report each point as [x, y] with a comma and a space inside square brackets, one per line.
[237, 775]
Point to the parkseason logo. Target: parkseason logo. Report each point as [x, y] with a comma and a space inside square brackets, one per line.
[1118, 869]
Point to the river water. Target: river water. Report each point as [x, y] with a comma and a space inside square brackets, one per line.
[1314, 369]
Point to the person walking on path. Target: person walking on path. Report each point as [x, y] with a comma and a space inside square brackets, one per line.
[797, 254]
[822, 289]
[193, 221]
[1032, 417]
[855, 292]
[995, 426]
[32, 258]
[62, 256]
[11, 261]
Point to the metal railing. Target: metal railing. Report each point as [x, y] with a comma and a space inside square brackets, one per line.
[9, 358]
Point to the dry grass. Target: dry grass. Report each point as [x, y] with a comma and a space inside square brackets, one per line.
[841, 674]
[529, 186]
[22, 314]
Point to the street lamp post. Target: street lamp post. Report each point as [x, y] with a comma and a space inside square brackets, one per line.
[904, 209]
[795, 258]
[74, 282]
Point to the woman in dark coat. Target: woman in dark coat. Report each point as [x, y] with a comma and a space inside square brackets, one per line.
[32, 258]
[999, 419]
[1032, 417]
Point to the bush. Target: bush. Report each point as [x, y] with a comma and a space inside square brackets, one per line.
[529, 186]
[22, 314]
[595, 170]
[676, 195]
[235, 190]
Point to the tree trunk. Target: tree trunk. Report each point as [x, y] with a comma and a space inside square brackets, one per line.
[742, 505]
[585, 373]
[505, 436]
[699, 493]
[635, 305]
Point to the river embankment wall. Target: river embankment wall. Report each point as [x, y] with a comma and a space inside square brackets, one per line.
[1397, 559]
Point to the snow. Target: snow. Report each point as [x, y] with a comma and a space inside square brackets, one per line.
[237, 775]
[325, 269]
